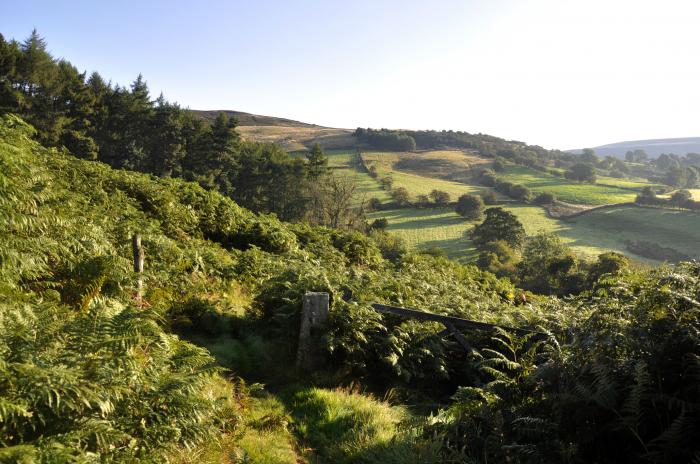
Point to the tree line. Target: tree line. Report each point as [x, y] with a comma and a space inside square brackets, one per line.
[126, 128]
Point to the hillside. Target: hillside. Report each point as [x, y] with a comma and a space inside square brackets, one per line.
[75, 330]
[653, 147]
[215, 274]
[249, 119]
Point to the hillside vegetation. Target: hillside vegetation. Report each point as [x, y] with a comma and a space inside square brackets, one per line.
[92, 371]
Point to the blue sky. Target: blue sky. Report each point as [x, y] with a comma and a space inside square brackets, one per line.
[559, 73]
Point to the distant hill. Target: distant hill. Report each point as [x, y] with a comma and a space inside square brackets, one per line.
[653, 147]
[248, 119]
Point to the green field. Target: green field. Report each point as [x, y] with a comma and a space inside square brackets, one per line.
[626, 183]
[414, 183]
[565, 190]
[610, 227]
[443, 228]
[589, 235]
[342, 163]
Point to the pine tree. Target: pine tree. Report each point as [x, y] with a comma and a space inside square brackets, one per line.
[318, 161]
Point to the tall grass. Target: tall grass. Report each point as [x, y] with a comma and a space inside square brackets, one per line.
[345, 427]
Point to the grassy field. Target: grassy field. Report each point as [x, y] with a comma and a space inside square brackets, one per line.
[564, 189]
[626, 183]
[609, 228]
[443, 228]
[589, 235]
[419, 184]
[452, 171]
[341, 162]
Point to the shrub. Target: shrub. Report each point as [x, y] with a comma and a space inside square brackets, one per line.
[545, 198]
[488, 178]
[504, 187]
[489, 198]
[379, 224]
[582, 172]
[374, 204]
[401, 196]
[469, 206]
[498, 165]
[520, 193]
[681, 197]
[440, 197]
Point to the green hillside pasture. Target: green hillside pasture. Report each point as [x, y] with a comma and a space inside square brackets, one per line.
[565, 190]
[638, 184]
[341, 162]
[588, 235]
[414, 183]
[610, 227]
[443, 228]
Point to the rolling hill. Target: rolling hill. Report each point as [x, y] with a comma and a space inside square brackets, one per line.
[653, 147]
[249, 119]
[291, 135]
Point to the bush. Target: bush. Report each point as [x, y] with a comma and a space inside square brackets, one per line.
[489, 198]
[374, 204]
[504, 187]
[545, 198]
[681, 197]
[440, 197]
[581, 172]
[469, 206]
[499, 165]
[401, 196]
[392, 248]
[379, 224]
[488, 178]
[520, 193]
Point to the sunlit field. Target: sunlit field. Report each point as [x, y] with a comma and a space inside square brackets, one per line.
[588, 235]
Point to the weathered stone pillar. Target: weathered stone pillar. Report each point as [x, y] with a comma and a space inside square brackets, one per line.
[139, 258]
[314, 313]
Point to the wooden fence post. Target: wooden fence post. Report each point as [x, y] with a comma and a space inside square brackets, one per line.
[314, 313]
[139, 258]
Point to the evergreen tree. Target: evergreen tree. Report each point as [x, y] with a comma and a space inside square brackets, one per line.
[318, 161]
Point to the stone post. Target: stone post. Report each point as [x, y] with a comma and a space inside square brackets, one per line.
[139, 258]
[314, 313]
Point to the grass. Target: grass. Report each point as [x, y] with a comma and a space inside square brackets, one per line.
[443, 228]
[565, 190]
[626, 183]
[609, 228]
[588, 235]
[342, 163]
[417, 184]
[451, 171]
[338, 426]
[267, 438]
[300, 424]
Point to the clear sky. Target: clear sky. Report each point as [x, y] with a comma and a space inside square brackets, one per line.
[557, 73]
